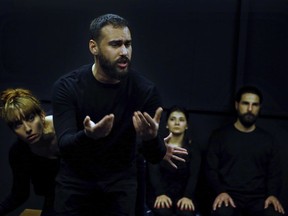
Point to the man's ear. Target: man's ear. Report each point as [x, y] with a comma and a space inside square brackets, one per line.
[93, 47]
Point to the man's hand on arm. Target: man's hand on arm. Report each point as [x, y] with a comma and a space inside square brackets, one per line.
[99, 129]
[275, 202]
[223, 199]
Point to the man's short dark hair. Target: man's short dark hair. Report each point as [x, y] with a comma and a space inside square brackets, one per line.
[107, 19]
[248, 89]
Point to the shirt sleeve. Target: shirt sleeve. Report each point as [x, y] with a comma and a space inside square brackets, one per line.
[65, 123]
[194, 168]
[153, 150]
[212, 163]
[274, 171]
[155, 179]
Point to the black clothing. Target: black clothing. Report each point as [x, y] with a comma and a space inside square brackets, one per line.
[89, 163]
[175, 183]
[110, 198]
[246, 206]
[244, 165]
[28, 167]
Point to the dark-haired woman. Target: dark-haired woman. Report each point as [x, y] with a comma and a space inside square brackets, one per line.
[171, 191]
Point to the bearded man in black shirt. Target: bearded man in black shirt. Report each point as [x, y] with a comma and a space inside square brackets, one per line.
[242, 163]
[100, 111]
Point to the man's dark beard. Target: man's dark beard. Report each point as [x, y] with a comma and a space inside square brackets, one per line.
[247, 119]
[111, 68]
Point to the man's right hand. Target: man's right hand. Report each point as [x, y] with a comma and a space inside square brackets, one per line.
[223, 198]
[100, 129]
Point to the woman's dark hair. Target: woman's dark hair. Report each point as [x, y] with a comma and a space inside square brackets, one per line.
[179, 109]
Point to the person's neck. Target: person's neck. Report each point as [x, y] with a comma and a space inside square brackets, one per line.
[46, 147]
[101, 76]
[239, 126]
[176, 139]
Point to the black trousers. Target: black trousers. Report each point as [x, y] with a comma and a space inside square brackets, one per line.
[114, 198]
[246, 205]
[172, 212]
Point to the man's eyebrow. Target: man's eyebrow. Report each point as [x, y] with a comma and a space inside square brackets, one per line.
[247, 102]
[115, 41]
[120, 42]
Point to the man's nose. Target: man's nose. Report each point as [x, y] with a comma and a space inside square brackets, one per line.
[123, 50]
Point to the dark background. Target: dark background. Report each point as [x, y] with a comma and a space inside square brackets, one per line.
[198, 52]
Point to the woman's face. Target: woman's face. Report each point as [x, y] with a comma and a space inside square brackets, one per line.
[177, 122]
[29, 128]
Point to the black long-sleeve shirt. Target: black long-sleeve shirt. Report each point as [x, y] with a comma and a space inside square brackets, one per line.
[243, 163]
[175, 183]
[27, 168]
[78, 94]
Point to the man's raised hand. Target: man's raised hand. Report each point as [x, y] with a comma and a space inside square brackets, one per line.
[99, 129]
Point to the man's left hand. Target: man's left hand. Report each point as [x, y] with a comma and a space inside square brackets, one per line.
[146, 126]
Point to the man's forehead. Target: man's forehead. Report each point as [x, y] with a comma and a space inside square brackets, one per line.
[110, 32]
[250, 97]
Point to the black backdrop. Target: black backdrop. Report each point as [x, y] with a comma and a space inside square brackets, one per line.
[198, 52]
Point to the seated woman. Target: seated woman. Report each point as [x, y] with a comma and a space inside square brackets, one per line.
[34, 157]
[170, 191]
